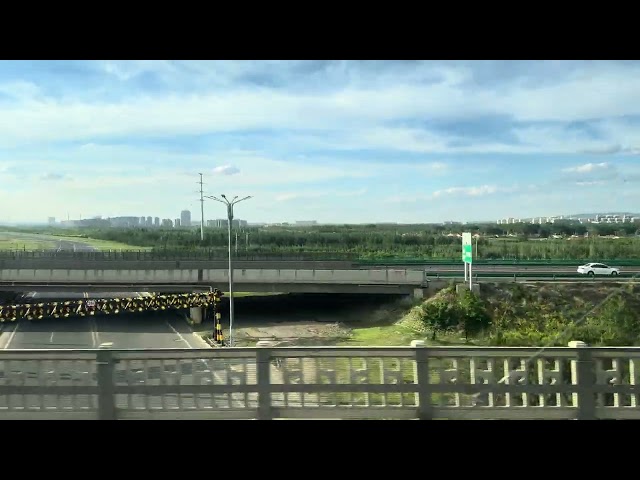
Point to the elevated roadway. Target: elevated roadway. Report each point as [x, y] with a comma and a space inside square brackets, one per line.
[394, 281]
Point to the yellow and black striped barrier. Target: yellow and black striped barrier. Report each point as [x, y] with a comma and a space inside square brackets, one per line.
[218, 336]
[106, 306]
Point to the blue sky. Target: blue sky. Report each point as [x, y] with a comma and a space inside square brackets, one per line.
[332, 141]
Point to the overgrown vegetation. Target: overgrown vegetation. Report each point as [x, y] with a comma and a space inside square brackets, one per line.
[522, 241]
[532, 315]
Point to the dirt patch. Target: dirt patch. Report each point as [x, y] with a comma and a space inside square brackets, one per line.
[314, 328]
[293, 333]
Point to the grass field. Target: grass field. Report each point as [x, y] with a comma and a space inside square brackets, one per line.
[104, 245]
[29, 242]
[396, 335]
[14, 243]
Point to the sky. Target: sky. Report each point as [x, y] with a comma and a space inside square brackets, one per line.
[331, 141]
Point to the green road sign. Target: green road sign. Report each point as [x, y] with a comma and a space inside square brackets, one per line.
[467, 254]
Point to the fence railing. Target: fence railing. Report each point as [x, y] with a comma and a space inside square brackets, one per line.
[221, 255]
[322, 383]
[160, 254]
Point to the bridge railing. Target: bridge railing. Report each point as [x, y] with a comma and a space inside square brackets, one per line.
[213, 275]
[159, 254]
[322, 383]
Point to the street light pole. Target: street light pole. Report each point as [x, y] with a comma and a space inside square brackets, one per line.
[230, 205]
[201, 211]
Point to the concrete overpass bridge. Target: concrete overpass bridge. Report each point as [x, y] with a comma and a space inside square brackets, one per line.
[374, 281]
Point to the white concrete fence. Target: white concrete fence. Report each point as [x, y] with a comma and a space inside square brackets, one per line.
[323, 383]
[374, 277]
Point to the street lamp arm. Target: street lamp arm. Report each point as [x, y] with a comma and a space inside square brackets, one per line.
[242, 199]
[216, 199]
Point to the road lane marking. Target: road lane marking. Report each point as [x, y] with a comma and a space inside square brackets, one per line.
[179, 334]
[51, 338]
[13, 334]
[95, 338]
[215, 374]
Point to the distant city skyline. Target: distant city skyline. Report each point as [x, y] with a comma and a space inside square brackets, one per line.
[127, 221]
[222, 222]
[334, 141]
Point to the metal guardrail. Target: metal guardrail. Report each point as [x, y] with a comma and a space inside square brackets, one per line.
[221, 255]
[157, 255]
[322, 383]
[548, 276]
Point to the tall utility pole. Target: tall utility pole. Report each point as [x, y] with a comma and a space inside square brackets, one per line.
[229, 205]
[201, 210]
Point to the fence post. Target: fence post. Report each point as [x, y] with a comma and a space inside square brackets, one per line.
[105, 377]
[421, 376]
[583, 376]
[263, 380]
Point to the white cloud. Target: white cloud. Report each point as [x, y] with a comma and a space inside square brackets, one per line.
[590, 183]
[438, 166]
[588, 168]
[286, 197]
[53, 176]
[358, 109]
[467, 191]
[310, 131]
[606, 150]
[225, 170]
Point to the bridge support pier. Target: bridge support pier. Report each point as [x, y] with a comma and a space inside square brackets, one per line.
[419, 293]
[463, 287]
[196, 314]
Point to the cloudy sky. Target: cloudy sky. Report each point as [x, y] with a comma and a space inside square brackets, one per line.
[332, 141]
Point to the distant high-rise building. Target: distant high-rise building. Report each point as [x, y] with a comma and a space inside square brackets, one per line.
[149, 222]
[185, 218]
[223, 223]
[124, 222]
[167, 222]
[176, 223]
[156, 221]
[52, 220]
[143, 220]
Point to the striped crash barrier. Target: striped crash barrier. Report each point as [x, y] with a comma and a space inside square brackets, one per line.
[107, 306]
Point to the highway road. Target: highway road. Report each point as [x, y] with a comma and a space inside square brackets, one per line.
[142, 330]
[518, 269]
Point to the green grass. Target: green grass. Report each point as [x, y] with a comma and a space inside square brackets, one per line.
[35, 241]
[104, 244]
[397, 335]
[25, 244]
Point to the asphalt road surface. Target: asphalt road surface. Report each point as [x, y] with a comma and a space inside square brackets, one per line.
[518, 269]
[142, 330]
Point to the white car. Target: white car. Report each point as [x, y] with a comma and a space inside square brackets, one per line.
[598, 269]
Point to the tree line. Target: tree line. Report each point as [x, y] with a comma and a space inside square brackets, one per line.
[531, 241]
